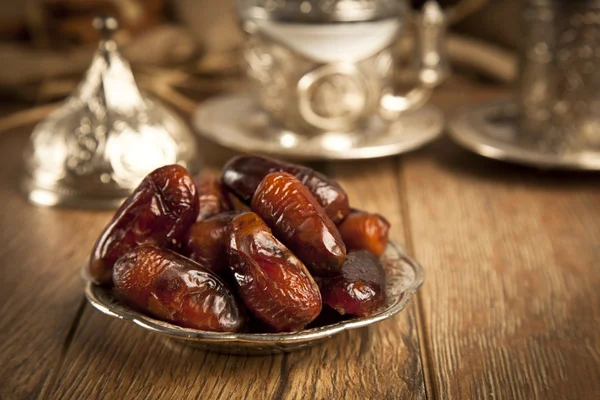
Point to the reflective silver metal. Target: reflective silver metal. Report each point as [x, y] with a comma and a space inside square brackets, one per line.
[238, 122]
[559, 84]
[404, 277]
[322, 66]
[319, 10]
[95, 149]
[492, 130]
[554, 121]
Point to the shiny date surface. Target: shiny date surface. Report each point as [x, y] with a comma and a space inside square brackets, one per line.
[176, 289]
[158, 212]
[273, 283]
[365, 231]
[296, 219]
[243, 174]
[206, 242]
[212, 195]
[360, 287]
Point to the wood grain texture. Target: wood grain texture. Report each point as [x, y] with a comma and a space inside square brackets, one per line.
[112, 358]
[378, 362]
[510, 306]
[40, 289]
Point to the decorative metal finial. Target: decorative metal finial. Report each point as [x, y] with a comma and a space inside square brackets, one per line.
[97, 147]
[107, 25]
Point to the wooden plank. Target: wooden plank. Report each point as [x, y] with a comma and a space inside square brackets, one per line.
[110, 358]
[113, 359]
[40, 289]
[378, 362]
[510, 309]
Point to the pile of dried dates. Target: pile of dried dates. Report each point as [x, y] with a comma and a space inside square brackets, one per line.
[266, 247]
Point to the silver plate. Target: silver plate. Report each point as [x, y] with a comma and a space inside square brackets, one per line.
[237, 122]
[491, 131]
[404, 277]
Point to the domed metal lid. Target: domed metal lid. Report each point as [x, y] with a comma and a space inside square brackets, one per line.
[97, 147]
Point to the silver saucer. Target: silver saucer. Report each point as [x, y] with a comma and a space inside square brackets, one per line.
[237, 122]
[404, 277]
[491, 131]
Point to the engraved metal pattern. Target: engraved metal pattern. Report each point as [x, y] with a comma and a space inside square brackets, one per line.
[308, 95]
[559, 87]
[267, 72]
[97, 147]
[404, 277]
[320, 66]
[333, 96]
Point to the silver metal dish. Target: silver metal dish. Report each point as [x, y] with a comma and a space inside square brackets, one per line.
[404, 277]
[491, 130]
[237, 122]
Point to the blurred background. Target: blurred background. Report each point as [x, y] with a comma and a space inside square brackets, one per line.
[185, 50]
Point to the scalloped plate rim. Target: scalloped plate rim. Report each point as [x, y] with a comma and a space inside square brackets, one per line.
[176, 332]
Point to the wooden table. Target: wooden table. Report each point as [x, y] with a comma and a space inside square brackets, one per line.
[510, 308]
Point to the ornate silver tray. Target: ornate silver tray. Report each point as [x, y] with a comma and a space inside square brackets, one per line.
[404, 277]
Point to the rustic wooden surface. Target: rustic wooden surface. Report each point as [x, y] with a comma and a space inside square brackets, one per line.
[510, 308]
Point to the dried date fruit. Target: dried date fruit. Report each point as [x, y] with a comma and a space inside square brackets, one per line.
[296, 219]
[213, 197]
[243, 174]
[237, 204]
[158, 212]
[176, 289]
[273, 283]
[365, 231]
[206, 242]
[359, 289]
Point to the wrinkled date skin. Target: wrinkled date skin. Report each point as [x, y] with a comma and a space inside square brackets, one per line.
[158, 212]
[206, 242]
[213, 197]
[359, 289]
[243, 174]
[273, 283]
[296, 219]
[365, 231]
[176, 289]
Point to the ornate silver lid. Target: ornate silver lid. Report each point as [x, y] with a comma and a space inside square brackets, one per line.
[97, 147]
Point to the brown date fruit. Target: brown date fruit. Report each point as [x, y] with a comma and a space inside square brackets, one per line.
[206, 242]
[296, 219]
[176, 289]
[237, 204]
[214, 199]
[359, 289]
[243, 174]
[365, 231]
[158, 212]
[273, 283]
